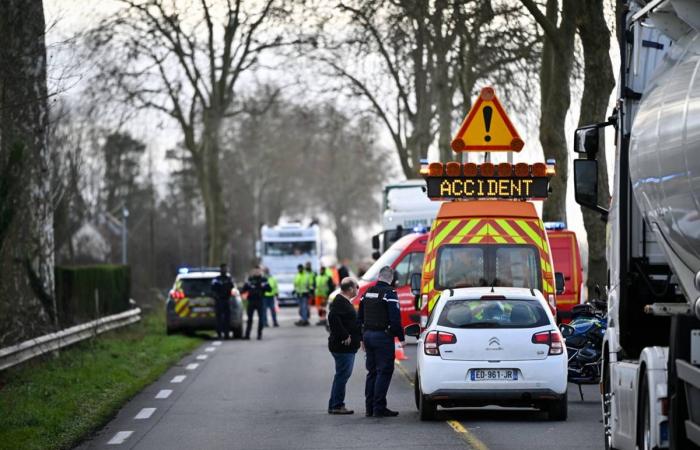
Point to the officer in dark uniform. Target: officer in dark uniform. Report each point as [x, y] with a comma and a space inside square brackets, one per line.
[380, 318]
[255, 286]
[221, 287]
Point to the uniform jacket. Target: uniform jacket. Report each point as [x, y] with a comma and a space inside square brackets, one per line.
[301, 283]
[255, 287]
[221, 287]
[342, 321]
[383, 295]
[274, 289]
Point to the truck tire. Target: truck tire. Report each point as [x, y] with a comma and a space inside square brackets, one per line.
[607, 400]
[644, 417]
[426, 408]
[558, 410]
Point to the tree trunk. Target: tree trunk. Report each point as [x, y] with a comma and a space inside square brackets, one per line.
[598, 84]
[557, 60]
[27, 303]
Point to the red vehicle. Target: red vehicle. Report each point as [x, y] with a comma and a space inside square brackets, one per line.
[567, 260]
[405, 256]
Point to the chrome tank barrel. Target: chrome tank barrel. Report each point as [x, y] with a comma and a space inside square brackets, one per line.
[665, 158]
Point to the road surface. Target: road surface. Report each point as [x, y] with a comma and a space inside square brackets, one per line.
[273, 394]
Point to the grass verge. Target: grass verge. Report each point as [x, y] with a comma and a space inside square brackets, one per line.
[56, 402]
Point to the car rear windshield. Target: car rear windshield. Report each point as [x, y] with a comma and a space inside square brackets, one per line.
[196, 287]
[490, 313]
[473, 265]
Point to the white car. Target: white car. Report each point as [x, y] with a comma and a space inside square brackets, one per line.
[491, 346]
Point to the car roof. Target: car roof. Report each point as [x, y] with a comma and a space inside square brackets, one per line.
[478, 292]
[197, 275]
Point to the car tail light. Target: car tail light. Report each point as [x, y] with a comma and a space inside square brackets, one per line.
[434, 339]
[551, 338]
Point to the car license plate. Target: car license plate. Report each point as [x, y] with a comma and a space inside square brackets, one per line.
[202, 309]
[493, 375]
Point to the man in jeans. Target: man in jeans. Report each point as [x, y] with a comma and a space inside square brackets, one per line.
[343, 343]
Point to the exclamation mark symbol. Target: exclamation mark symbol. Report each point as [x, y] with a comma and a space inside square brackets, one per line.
[487, 111]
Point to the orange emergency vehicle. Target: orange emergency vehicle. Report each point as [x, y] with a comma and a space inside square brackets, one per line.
[498, 240]
[567, 261]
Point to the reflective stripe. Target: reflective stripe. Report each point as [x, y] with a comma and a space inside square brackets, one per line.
[464, 231]
[444, 232]
[480, 235]
[372, 295]
[431, 303]
[531, 233]
[431, 284]
[511, 232]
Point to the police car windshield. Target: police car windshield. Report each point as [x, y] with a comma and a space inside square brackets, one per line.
[387, 259]
[290, 248]
[511, 313]
[475, 265]
[197, 287]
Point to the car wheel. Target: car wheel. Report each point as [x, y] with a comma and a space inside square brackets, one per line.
[169, 331]
[238, 331]
[416, 390]
[558, 409]
[426, 408]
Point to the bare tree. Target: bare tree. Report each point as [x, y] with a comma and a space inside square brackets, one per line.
[555, 93]
[597, 87]
[185, 60]
[27, 302]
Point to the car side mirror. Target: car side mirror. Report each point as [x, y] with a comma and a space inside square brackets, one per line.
[376, 255]
[412, 330]
[566, 330]
[586, 184]
[559, 282]
[415, 284]
[375, 243]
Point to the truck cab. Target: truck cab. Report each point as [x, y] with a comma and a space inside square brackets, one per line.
[567, 262]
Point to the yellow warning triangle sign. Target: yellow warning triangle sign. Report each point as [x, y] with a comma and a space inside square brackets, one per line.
[487, 127]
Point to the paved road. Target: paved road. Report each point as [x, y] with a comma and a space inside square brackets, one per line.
[273, 394]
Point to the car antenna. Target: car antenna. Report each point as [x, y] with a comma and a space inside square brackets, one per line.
[493, 283]
[532, 291]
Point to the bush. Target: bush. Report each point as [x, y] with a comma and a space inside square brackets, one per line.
[75, 292]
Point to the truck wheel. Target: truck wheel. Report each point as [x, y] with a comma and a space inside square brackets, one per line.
[644, 417]
[426, 408]
[607, 401]
[558, 409]
[238, 331]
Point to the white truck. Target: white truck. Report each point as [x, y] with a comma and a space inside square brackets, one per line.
[651, 353]
[283, 247]
[405, 208]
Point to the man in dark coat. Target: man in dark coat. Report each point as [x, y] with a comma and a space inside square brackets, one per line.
[255, 287]
[343, 343]
[221, 287]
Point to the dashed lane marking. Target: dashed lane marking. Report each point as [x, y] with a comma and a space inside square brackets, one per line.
[465, 434]
[120, 437]
[178, 379]
[192, 366]
[210, 349]
[145, 413]
[202, 357]
[217, 343]
[164, 393]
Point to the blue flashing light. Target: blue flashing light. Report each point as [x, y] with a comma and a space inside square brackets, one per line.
[554, 226]
[551, 162]
[424, 161]
[183, 270]
[420, 229]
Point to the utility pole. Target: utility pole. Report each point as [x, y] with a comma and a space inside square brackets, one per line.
[125, 215]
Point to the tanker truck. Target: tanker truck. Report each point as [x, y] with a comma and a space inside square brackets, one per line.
[650, 383]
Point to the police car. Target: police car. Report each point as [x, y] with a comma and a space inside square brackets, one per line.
[491, 346]
[190, 304]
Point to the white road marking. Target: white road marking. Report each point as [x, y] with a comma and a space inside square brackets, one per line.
[145, 413]
[192, 366]
[216, 343]
[210, 349]
[120, 437]
[178, 379]
[202, 357]
[164, 393]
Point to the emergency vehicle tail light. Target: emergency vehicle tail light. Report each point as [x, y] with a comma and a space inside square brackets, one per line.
[453, 169]
[522, 170]
[505, 169]
[435, 169]
[551, 338]
[470, 169]
[435, 339]
[539, 170]
[487, 169]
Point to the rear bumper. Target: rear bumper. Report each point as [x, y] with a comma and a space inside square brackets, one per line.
[175, 322]
[482, 397]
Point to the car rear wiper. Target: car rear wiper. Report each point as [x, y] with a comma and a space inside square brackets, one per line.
[481, 325]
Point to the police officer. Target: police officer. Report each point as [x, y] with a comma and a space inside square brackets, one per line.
[269, 299]
[380, 318]
[255, 286]
[221, 287]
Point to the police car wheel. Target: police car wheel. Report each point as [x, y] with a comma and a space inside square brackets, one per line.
[426, 408]
[416, 390]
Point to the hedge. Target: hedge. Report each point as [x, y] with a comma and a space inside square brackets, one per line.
[75, 292]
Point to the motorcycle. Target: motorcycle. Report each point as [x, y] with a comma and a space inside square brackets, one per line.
[584, 341]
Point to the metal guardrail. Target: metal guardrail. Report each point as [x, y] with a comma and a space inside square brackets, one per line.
[16, 354]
